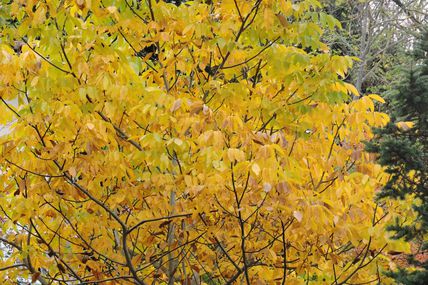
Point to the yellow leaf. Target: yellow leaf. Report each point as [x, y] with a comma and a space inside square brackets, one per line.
[286, 7]
[235, 154]
[80, 4]
[376, 98]
[298, 215]
[351, 88]
[267, 187]
[72, 171]
[176, 105]
[90, 126]
[405, 126]
[255, 168]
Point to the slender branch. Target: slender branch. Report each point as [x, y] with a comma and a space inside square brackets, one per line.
[135, 12]
[157, 219]
[239, 11]
[242, 28]
[70, 180]
[254, 56]
[40, 237]
[12, 266]
[335, 136]
[361, 266]
[45, 59]
[152, 15]
[267, 122]
[300, 100]
[241, 225]
[59, 210]
[135, 51]
[129, 258]
[284, 255]
[28, 260]
[237, 274]
[218, 243]
[68, 62]
[32, 172]
[121, 133]
[108, 279]
[10, 108]
[12, 244]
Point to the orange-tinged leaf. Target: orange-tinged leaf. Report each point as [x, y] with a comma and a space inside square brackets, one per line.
[282, 19]
[35, 277]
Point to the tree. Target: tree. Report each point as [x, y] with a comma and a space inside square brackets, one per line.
[202, 142]
[403, 149]
[379, 33]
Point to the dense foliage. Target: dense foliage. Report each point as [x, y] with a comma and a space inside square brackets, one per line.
[198, 142]
[403, 148]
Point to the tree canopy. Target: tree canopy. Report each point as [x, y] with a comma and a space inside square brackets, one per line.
[185, 143]
[402, 147]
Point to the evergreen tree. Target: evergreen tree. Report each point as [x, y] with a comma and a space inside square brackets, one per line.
[402, 149]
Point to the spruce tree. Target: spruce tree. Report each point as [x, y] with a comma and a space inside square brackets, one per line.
[402, 149]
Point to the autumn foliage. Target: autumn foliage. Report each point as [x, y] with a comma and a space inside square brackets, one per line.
[209, 142]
